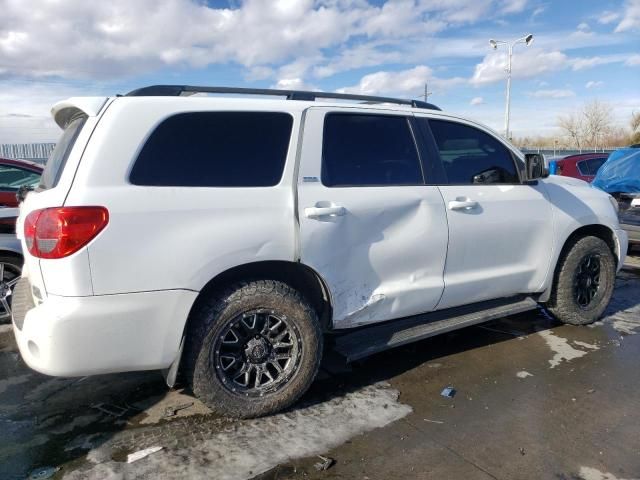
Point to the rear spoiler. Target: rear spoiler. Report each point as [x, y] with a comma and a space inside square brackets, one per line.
[65, 110]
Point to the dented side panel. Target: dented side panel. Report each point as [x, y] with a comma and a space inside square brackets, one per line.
[384, 257]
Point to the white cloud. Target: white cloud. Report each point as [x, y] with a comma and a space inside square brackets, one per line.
[581, 63]
[293, 84]
[608, 17]
[632, 61]
[406, 82]
[538, 11]
[630, 17]
[594, 84]
[476, 101]
[513, 6]
[552, 94]
[25, 110]
[526, 64]
[121, 38]
[583, 27]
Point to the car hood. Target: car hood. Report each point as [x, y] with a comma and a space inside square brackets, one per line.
[562, 180]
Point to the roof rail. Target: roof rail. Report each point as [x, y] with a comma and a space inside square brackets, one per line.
[178, 90]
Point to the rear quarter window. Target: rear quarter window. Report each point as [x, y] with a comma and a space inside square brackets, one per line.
[58, 158]
[215, 149]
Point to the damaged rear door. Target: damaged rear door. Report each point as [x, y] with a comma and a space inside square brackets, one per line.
[369, 225]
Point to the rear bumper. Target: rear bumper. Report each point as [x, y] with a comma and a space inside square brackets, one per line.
[77, 336]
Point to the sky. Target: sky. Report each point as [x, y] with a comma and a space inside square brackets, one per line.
[582, 50]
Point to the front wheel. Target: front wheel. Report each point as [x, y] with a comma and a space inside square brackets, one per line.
[584, 282]
[254, 349]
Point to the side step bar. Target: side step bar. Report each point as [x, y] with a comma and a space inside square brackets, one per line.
[368, 340]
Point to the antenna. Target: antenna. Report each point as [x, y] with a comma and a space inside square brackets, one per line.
[426, 93]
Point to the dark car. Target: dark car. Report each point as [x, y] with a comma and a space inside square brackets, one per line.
[629, 215]
[15, 174]
[583, 166]
[620, 177]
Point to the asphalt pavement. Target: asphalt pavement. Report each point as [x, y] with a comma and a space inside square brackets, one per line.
[530, 398]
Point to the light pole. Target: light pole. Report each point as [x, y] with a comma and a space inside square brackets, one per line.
[494, 44]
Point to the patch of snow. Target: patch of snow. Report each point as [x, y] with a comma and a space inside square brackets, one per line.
[590, 346]
[258, 445]
[561, 348]
[623, 312]
[588, 473]
[626, 323]
[524, 374]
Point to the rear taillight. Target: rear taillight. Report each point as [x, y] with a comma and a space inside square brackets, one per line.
[59, 232]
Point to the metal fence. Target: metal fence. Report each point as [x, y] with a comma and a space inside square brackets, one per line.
[559, 153]
[36, 152]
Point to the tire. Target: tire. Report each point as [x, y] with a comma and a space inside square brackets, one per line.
[10, 271]
[582, 291]
[236, 342]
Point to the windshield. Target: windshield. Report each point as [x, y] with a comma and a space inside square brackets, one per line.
[58, 158]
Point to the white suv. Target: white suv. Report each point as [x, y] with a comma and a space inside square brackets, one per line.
[228, 239]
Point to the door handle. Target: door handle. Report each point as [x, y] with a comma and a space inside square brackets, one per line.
[465, 204]
[317, 212]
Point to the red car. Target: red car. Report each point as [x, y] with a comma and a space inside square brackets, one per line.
[15, 174]
[583, 166]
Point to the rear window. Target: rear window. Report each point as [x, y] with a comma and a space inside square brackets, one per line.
[215, 149]
[58, 158]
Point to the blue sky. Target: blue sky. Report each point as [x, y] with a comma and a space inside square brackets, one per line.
[582, 50]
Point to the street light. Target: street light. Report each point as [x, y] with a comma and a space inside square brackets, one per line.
[494, 44]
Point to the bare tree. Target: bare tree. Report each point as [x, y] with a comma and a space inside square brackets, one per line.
[635, 127]
[597, 120]
[573, 126]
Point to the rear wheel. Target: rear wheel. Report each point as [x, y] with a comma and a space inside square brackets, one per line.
[584, 282]
[254, 349]
[10, 271]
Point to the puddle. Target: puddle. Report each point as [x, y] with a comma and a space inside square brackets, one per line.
[11, 381]
[256, 446]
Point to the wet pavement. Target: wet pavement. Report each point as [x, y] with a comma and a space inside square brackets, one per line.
[534, 399]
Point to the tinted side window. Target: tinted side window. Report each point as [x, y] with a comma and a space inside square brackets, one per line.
[215, 149]
[369, 150]
[471, 156]
[583, 167]
[595, 164]
[12, 178]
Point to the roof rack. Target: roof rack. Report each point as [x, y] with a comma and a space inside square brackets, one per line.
[178, 90]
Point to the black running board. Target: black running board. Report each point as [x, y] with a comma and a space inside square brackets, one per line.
[368, 340]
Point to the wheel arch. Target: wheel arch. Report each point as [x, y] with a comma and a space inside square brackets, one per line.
[595, 230]
[297, 275]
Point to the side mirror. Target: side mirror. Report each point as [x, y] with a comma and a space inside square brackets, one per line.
[536, 166]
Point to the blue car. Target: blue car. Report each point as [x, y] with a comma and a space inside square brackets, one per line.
[620, 177]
